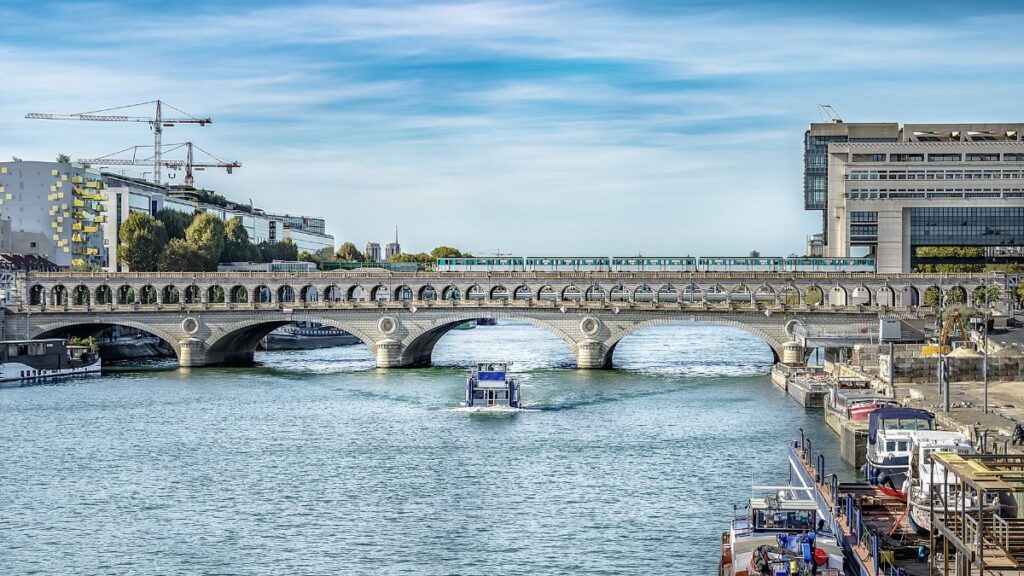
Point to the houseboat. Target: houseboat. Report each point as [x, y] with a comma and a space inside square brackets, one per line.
[891, 433]
[46, 358]
[777, 529]
[490, 385]
[852, 399]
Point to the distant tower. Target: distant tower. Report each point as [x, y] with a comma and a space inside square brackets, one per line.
[372, 252]
[393, 248]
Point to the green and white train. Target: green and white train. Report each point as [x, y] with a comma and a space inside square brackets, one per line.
[655, 264]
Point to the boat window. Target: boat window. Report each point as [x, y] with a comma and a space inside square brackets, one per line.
[784, 520]
[890, 446]
[901, 446]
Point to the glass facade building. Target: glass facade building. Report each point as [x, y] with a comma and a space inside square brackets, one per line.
[967, 226]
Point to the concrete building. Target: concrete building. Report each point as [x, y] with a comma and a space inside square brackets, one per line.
[57, 210]
[890, 189]
[127, 195]
[372, 252]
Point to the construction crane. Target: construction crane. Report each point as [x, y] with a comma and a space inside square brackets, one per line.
[953, 319]
[828, 110]
[188, 163]
[157, 123]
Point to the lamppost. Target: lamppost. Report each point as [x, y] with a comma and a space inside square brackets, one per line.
[984, 345]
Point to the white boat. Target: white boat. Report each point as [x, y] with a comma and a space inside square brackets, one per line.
[930, 482]
[45, 358]
[490, 385]
[890, 435]
[776, 531]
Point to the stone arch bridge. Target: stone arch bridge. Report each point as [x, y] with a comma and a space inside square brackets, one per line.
[216, 318]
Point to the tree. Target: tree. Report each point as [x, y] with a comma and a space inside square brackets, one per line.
[181, 256]
[206, 234]
[175, 222]
[325, 254]
[446, 252]
[348, 252]
[237, 247]
[284, 250]
[63, 159]
[983, 295]
[142, 237]
[421, 258]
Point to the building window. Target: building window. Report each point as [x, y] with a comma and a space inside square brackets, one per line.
[863, 216]
[983, 157]
[945, 157]
[864, 230]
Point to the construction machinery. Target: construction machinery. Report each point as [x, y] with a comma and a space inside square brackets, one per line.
[189, 164]
[156, 122]
[954, 319]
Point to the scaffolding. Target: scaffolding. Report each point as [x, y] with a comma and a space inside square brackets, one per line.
[977, 511]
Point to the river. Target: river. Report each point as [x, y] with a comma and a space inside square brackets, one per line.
[315, 462]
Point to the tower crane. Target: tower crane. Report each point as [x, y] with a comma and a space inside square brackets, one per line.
[157, 123]
[188, 163]
[828, 110]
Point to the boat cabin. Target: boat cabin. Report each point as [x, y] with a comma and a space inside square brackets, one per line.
[490, 385]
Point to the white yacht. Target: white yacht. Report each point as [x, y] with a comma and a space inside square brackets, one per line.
[891, 433]
[490, 385]
[923, 476]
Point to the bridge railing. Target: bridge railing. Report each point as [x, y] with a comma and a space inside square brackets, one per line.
[767, 308]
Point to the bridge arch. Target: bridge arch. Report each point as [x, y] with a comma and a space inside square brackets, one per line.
[308, 294]
[594, 293]
[885, 296]
[169, 294]
[403, 293]
[547, 293]
[451, 293]
[125, 295]
[691, 293]
[643, 293]
[955, 295]
[239, 294]
[861, 295]
[193, 294]
[104, 295]
[262, 294]
[354, 294]
[572, 293]
[59, 295]
[499, 292]
[418, 346]
[522, 292]
[67, 328]
[771, 340]
[618, 293]
[286, 294]
[215, 294]
[36, 295]
[147, 294]
[236, 345]
[668, 294]
[428, 292]
[475, 292]
[380, 293]
[80, 295]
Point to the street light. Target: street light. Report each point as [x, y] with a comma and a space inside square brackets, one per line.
[984, 365]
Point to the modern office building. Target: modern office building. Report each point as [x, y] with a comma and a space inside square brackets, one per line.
[127, 195]
[57, 210]
[889, 190]
[372, 252]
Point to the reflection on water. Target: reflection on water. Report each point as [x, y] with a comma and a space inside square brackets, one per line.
[315, 462]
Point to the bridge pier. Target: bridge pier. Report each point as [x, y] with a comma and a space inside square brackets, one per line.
[593, 355]
[191, 353]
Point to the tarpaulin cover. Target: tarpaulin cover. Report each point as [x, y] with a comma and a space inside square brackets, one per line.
[894, 413]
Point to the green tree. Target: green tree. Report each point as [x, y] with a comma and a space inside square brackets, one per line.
[181, 256]
[175, 222]
[284, 250]
[237, 247]
[325, 254]
[446, 252]
[986, 294]
[421, 258]
[348, 252]
[63, 159]
[206, 234]
[141, 239]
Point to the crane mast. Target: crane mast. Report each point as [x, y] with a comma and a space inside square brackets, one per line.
[157, 122]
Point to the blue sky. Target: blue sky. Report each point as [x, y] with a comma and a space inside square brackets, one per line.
[530, 127]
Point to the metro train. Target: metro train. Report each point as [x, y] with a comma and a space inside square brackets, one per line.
[655, 264]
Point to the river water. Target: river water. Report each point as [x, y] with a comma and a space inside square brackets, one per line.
[317, 463]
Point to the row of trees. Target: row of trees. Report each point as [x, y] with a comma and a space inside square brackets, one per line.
[348, 252]
[179, 242]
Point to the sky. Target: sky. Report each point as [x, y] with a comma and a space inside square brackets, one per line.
[526, 127]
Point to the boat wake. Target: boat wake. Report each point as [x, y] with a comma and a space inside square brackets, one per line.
[494, 410]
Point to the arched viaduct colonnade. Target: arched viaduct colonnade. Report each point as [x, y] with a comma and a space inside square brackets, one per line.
[213, 318]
